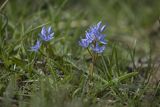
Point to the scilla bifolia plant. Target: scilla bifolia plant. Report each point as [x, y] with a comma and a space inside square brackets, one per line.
[45, 36]
[94, 42]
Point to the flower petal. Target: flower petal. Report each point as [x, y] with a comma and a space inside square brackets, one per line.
[103, 28]
[50, 30]
[43, 31]
[99, 25]
[98, 49]
[36, 46]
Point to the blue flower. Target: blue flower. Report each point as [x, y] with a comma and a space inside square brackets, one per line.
[36, 46]
[94, 38]
[95, 33]
[98, 49]
[46, 34]
[84, 43]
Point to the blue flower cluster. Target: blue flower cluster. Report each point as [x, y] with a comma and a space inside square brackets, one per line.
[95, 39]
[45, 35]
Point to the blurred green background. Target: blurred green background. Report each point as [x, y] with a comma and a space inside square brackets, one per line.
[128, 21]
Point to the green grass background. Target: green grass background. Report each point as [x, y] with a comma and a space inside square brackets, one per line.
[29, 79]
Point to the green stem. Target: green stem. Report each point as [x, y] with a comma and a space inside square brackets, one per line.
[89, 52]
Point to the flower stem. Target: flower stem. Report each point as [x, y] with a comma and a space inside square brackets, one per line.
[89, 52]
[91, 66]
